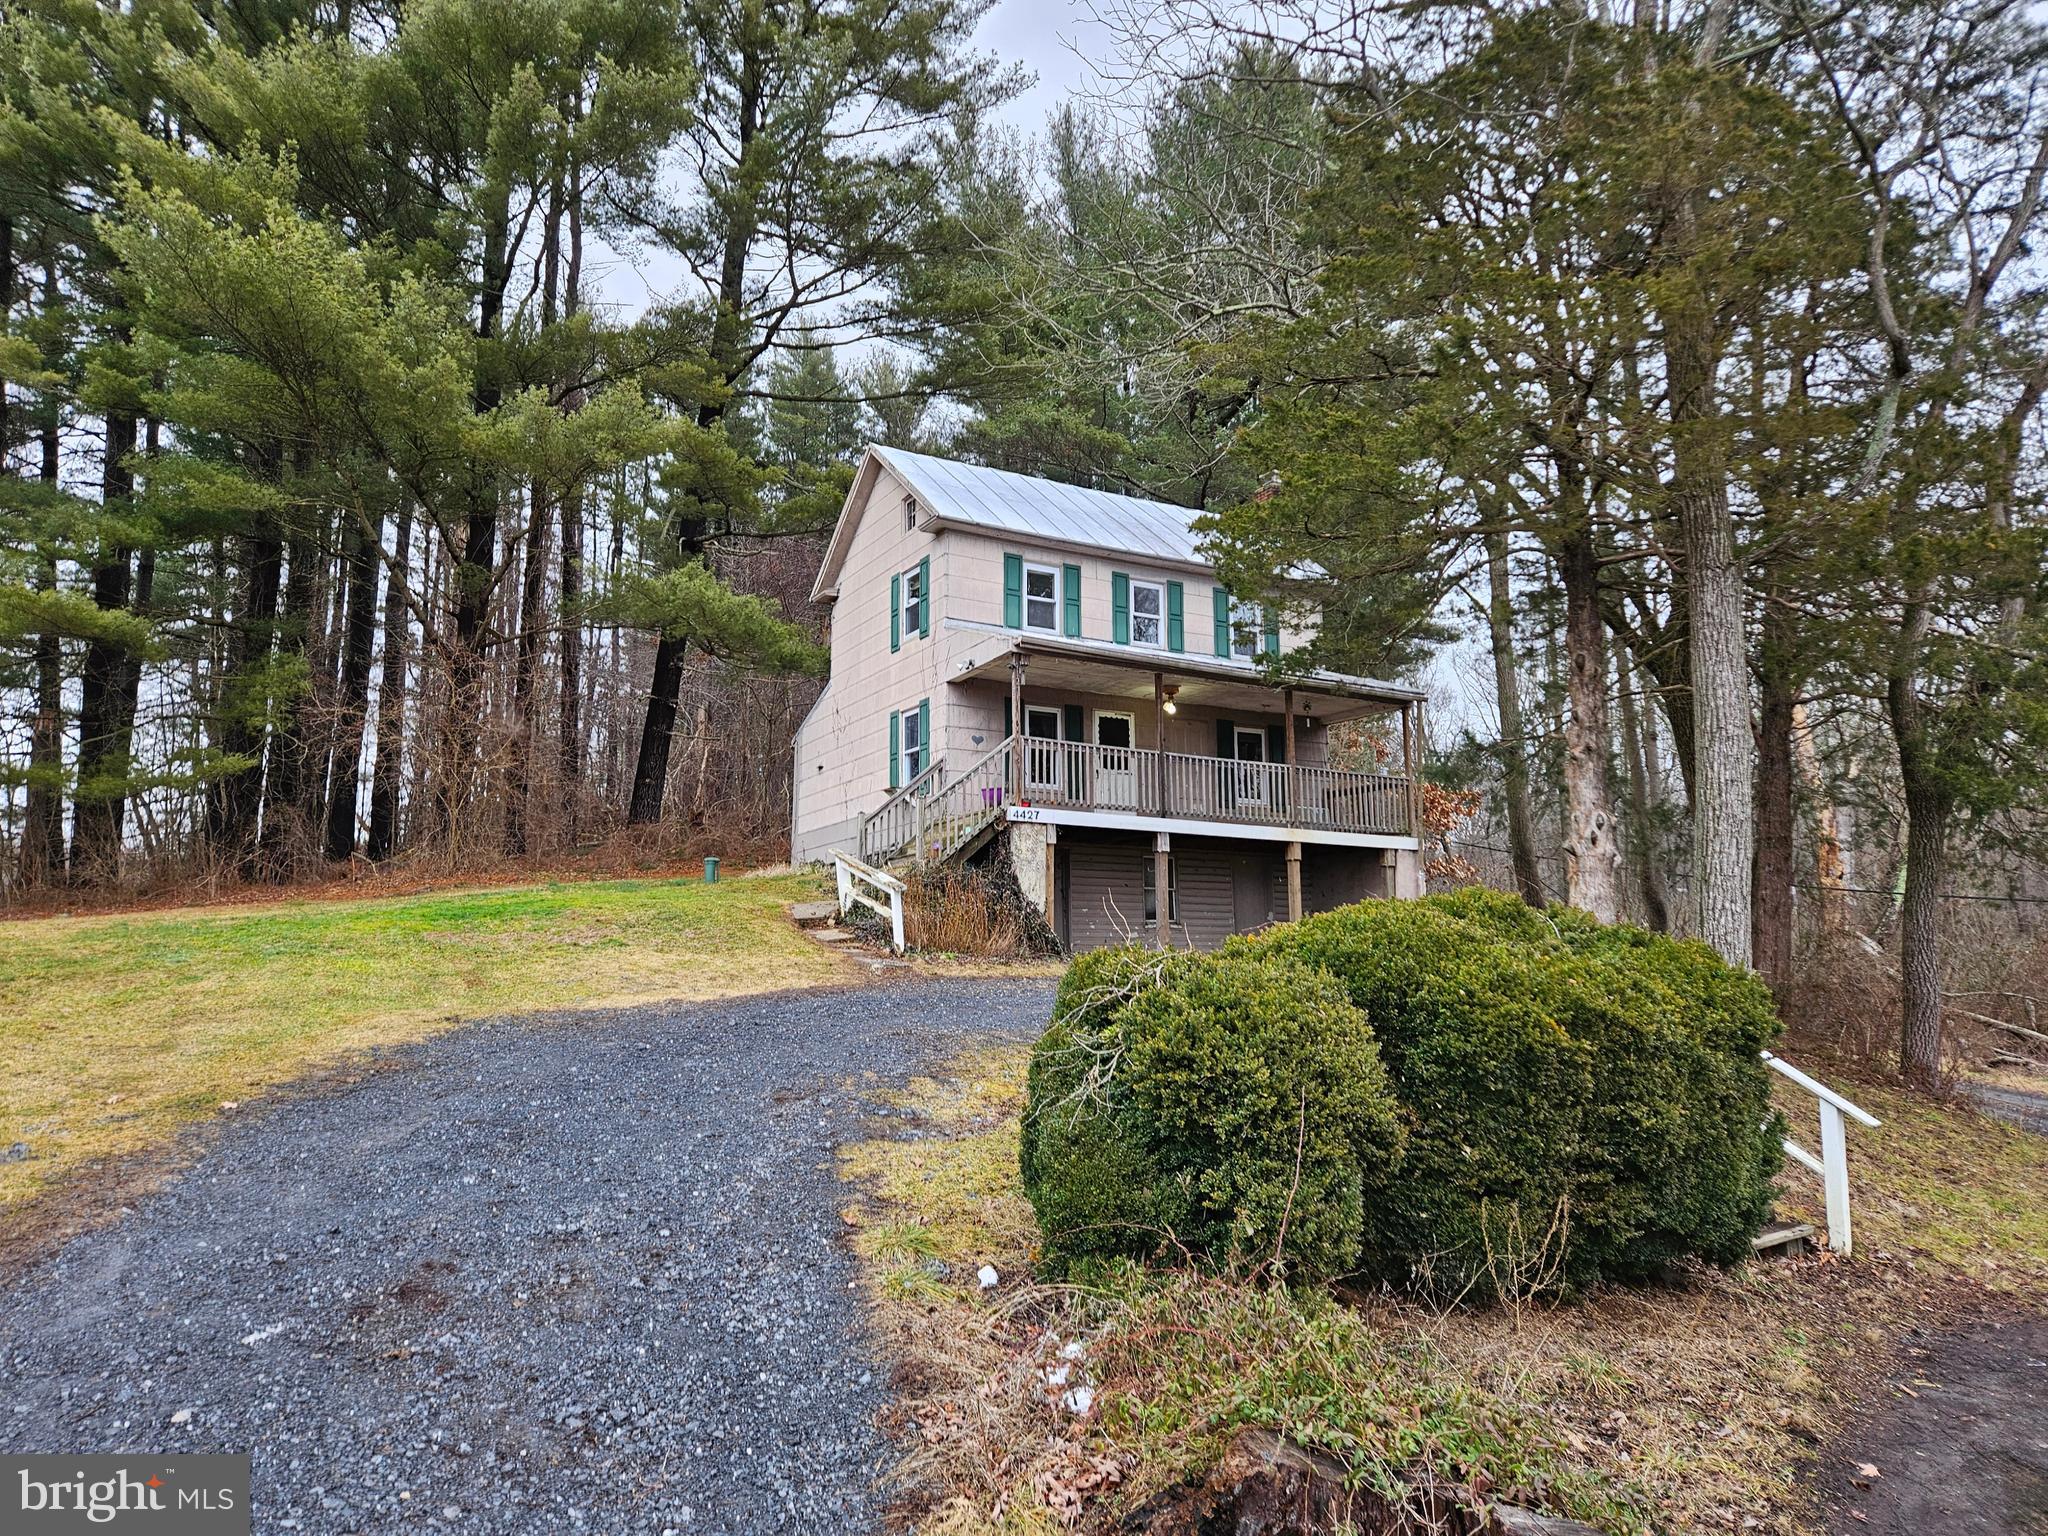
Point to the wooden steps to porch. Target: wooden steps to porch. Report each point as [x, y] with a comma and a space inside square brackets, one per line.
[1783, 1240]
[814, 914]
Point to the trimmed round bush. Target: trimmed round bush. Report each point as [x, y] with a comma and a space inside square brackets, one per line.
[1232, 1108]
[1583, 1100]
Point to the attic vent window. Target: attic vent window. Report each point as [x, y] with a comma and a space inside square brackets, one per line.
[910, 514]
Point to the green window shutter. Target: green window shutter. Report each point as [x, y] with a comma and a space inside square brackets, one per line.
[1226, 738]
[1176, 634]
[1076, 722]
[1070, 589]
[924, 595]
[1009, 725]
[1013, 591]
[895, 748]
[1272, 636]
[924, 734]
[896, 612]
[1120, 608]
[1221, 598]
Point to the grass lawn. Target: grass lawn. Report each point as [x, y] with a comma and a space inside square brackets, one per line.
[1696, 1406]
[118, 1031]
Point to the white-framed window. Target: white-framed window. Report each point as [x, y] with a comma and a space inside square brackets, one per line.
[1042, 598]
[1148, 613]
[913, 600]
[1247, 628]
[910, 514]
[913, 744]
[1152, 888]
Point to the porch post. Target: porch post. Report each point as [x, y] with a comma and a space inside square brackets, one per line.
[1052, 901]
[1016, 727]
[1408, 770]
[1289, 798]
[1159, 743]
[1415, 783]
[1294, 882]
[1162, 846]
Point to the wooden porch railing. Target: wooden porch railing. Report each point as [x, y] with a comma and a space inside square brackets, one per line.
[893, 824]
[933, 816]
[1086, 776]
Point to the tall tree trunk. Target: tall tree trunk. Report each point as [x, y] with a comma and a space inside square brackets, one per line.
[236, 800]
[702, 727]
[689, 533]
[569, 743]
[526, 662]
[102, 767]
[129, 698]
[1514, 741]
[1830, 874]
[290, 823]
[387, 764]
[476, 570]
[1664, 659]
[569, 737]
[1928, 811]
[42, 840]
[1771, 896]
[1592, 859]
[1643, 794]
[1928, 808]
[1723, 773]
[359, 638]
[6, 316]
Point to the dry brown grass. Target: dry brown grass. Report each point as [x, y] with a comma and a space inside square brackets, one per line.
[935, 1208]
[1696, 1406]
[120, 1032]
[972, 911]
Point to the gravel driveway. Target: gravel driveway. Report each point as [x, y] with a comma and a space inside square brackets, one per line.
[554, 1275]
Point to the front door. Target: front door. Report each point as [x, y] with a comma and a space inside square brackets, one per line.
[1251, 766]
[1251, 893]
[1041, 748]
[1116, 776]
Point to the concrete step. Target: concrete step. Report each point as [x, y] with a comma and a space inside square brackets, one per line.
[1783, 1240]
[814, 914]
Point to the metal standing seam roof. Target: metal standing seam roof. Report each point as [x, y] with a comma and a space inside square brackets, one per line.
[1048, 509]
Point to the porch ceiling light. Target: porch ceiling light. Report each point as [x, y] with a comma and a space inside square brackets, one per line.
[1169, 706]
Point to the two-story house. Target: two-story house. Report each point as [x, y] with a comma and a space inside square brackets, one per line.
[1059, 668]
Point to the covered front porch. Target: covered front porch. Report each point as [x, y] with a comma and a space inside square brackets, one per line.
[1178, 738]
[1057, 743]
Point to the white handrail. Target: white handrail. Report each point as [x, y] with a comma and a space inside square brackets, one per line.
[853, 875]
[1833, 1163]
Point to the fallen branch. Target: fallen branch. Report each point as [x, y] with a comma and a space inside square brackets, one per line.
[2008, 1059]
[2015, 1029]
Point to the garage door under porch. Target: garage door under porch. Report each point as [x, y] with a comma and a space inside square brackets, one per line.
[1104, 883]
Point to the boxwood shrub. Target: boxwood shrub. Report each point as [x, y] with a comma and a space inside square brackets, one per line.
[1582, 1100]
[1232, 1108]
